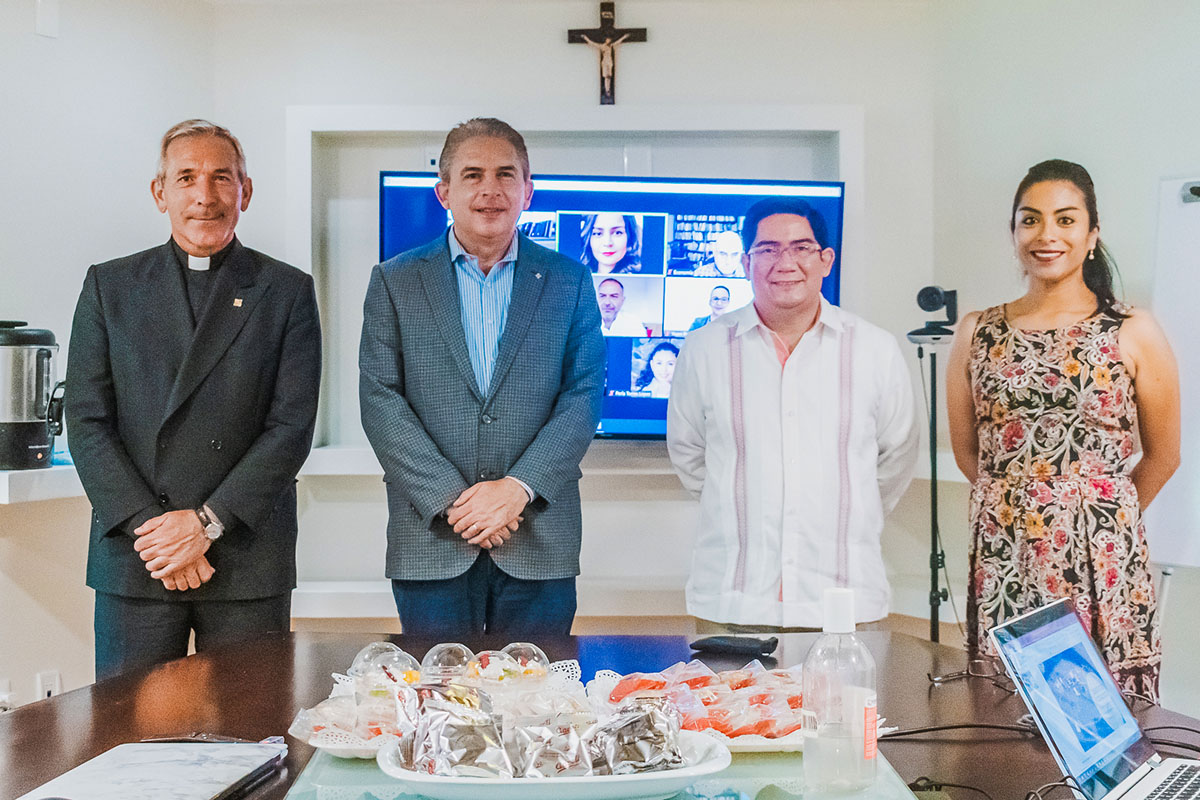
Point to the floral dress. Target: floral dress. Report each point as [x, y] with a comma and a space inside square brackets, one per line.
[1054, 512]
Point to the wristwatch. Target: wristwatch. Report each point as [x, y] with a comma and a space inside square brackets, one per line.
[213, 528]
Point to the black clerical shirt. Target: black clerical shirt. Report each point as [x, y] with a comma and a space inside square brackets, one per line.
[199, 281]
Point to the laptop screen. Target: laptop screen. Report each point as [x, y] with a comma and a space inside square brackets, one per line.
[1074, 699]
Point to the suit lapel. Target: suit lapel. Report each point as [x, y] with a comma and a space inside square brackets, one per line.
[164, 300]
[441, 287]
[231, 301]
[528, 281]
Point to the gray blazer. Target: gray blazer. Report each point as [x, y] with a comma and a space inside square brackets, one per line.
[435, 435]
[161, 418]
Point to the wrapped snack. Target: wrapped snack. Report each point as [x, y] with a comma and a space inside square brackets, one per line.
[551, 746]
[383, 700]
[637, 683]
[398, 666]
[364, 657]
[525, 701]
[335, 712]
[693, 674]
[748, 720]
[544, 726]
[457, 735]
[446, 663]
[531, 658]
[748, 675]
[642, 737]
[713, 695]
[492, 666]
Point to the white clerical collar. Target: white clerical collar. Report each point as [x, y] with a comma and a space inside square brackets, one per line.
[199, 263]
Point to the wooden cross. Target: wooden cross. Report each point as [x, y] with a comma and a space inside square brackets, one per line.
[606, 39]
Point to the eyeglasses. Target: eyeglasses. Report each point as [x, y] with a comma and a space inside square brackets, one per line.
[770, 253]
[984, 668]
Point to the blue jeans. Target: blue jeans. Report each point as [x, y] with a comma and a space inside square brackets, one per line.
[485, 600]
[135, 632]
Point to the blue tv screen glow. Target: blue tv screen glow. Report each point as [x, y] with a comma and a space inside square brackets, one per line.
[665, 255]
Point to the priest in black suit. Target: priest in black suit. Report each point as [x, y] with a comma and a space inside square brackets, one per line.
[191, 396]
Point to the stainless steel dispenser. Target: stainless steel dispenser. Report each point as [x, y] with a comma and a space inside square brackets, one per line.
[30, 399]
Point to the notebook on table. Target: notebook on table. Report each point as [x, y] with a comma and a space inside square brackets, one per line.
[166, 771]
[1094, 737]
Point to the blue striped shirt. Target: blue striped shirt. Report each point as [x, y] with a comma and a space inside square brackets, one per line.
[483, 301]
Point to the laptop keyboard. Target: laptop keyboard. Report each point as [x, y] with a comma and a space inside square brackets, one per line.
[1182, 784]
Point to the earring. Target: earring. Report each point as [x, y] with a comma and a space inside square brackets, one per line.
[1092, 254]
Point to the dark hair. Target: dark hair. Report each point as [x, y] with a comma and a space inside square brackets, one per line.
[647, 374]
[611, 280]
[1099, 267]
[720, 286]
[783, 205]
[631, 261]
[473, 128]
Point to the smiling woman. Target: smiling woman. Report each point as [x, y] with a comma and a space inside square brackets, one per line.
[1048, 396]
[611, 243]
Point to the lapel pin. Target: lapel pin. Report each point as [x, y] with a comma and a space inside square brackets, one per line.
[537, 275]
[237, 302]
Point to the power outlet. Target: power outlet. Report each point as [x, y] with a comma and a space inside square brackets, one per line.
[49, 683]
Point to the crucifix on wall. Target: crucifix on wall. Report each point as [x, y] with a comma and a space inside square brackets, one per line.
[605, 40]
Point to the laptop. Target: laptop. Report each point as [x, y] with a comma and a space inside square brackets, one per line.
[1094, 737]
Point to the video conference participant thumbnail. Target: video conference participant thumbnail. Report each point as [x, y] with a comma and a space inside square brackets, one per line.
[640, 374]
[705, 245]
[614, 242]
[653, 373]
[629, 306]
[724, 257]
[718, 304]
[692, 303]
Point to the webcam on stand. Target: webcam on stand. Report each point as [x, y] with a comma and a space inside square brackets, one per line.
[933, 298]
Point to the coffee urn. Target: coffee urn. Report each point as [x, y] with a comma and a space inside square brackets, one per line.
[30, 400]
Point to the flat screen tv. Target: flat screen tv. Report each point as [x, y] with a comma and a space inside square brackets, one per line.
[665, 255]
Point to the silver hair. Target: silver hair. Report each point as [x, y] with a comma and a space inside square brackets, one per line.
[481, 126]
[199, 127]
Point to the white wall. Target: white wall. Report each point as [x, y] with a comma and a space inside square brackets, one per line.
[1109, 84]
[959, 99]
[877, 55]
[80, 119]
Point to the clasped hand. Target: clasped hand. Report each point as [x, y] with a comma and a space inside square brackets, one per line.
[489, 512]
[173, 546]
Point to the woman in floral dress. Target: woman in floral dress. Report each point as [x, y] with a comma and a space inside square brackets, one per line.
[1049, 397]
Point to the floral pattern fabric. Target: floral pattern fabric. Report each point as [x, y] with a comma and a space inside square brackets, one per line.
[1054, 512]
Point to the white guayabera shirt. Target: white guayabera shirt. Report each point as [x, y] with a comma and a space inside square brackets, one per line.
[796, 459]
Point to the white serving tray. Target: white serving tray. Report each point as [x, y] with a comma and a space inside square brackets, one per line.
[702, 754]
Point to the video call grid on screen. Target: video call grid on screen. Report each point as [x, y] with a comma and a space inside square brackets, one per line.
[665, 254]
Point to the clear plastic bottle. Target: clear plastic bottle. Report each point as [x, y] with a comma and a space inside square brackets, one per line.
[839, 703]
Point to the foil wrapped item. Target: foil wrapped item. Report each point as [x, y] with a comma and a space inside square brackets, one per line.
[457, 735]
[643, 736]
[551, 746]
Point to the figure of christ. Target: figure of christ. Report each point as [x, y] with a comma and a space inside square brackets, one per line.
[607, 61]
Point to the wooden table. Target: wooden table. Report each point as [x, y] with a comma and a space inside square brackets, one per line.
[254, 689]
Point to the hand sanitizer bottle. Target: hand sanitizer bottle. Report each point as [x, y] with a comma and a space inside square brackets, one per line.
[839, 703]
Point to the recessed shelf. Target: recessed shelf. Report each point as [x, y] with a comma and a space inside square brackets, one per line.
[29, 485]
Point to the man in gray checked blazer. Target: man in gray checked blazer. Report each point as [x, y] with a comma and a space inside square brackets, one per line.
[482, 370]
